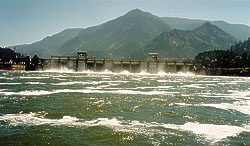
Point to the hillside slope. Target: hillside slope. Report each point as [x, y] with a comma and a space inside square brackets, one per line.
[188, 43]
[238, 31]
[48, 46]
[121, 37]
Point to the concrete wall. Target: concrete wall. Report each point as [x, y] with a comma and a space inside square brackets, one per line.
[119, 66]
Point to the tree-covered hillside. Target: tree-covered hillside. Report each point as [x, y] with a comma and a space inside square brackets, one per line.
[238, 31]
[236, 57]
[188, 43]
[6, 53]
[121, 37]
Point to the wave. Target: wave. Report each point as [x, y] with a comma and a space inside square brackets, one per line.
[124, 72]
[240, 106]
[88, 91]
[28, 77]
[211, 132]
[10, 83]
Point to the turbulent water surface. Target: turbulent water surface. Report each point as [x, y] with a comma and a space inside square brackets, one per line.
[68, 108]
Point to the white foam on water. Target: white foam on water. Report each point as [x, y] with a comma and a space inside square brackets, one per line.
[59, 76]
[71, 83]
[185, 95]
[87, 91]
[239, 81]
[164, 87]
[130, 92]
[221, 83]
[107, 72]
[210, 132]
[233, 94]
[33, 77]
[89, 83]
[146, 87]
[230, 83]
[117, 81]
[124, 72]
[208, 81]
[9, 78]
[240, 94]
[158, 87]
[62, 70]
[144, 73]
[100, 82]
[198, 86]
[183, 104]
[240, 106]
[10, 83]
[104, 86]
[35, 119]
[162, 81]
[184, 74]
[31, 92]
[117, 88]
[35, 83]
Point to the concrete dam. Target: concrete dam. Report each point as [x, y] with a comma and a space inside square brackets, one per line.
[83, 62]
[152, 64]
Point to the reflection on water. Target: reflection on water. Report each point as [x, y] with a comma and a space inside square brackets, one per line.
[94, 108]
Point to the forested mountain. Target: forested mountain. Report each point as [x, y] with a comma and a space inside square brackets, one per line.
[238, 31]
[188, 43]
[241, 47]
[48, 46]
[238, 56]
[137, 32]
[122, 37]
[6, 53]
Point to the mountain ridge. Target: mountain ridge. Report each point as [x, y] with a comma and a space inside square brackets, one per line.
[49, 44]
[125, 36]
[239, 31]
[117, 36]
[190, 42]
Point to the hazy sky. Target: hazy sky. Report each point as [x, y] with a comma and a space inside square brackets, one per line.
[26, 21]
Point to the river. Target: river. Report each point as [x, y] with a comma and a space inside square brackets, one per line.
[89, 108]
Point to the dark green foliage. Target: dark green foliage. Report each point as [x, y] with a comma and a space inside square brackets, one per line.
[216, 58]
[188, 43]
[241, 47]
[6, 53]
[238, 31]
[236, 57]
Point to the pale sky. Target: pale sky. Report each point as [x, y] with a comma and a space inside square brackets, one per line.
[26, 21]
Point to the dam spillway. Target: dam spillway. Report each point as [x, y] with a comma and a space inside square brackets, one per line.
[152, 64]
[83, 62]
